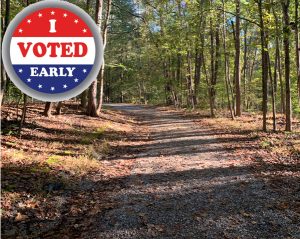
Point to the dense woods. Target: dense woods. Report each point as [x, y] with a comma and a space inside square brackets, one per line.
[238, 55]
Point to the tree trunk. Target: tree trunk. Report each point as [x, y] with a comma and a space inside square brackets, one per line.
[101, 88]
[217, 61]
[286, 43]
[92, 96]
[278, 61]
[3, 73]
[23, 117]
[264, 63]
[104, 37]
[190, 98]
[198, 56]
[107, 85]
[3, 82]
[58, 107]
[48, 108]
[226, 65]
[87, 6]
[245, 67]
[211, 87]
[178, 76]
[297, 46]
[84, 94]
[237, 60]
[272, 93]
[198, 64]
[83, 99]
[92, 100]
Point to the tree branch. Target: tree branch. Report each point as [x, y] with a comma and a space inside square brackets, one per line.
[241, 17]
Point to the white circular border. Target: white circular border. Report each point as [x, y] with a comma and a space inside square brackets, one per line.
[59, 96]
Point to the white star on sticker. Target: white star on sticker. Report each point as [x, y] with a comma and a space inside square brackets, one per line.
[76, 80]
[29, 21]
[52, 88]
[65, 86]
[76, 21]
[52, 13]
[28, 80]
[84, 30]
[40, 86]
[20, 30]
[65, 14]
[20, 70]
[40, 15]
[84, 70]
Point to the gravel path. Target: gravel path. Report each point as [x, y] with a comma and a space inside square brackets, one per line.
[183, 185]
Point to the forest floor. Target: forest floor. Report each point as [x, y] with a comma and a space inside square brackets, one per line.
[147, 172]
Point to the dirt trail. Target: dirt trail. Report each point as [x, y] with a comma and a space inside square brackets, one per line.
[183, 185]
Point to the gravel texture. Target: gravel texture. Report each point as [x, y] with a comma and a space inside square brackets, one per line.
[184, 185]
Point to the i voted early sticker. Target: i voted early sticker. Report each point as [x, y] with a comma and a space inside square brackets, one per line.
[52, 50]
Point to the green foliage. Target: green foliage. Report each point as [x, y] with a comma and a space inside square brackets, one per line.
[90, 137]
[53, 159]
[151, 57]
[149, 44]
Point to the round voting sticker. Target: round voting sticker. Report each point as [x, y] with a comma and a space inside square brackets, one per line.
[52, 50]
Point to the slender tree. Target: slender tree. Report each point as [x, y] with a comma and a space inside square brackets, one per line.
[59, 107]
[48, 108]
[190, 98]
[237, 70]
[92, 94]
[286, 43]
[84, 94]
[277, 65]
[3, 28]
[245, 63]
[226, 60]
[297, 46]
[23, 117]
[272, 93]
[264, 64]
[104, 37]
[197, 76]
[212, 83]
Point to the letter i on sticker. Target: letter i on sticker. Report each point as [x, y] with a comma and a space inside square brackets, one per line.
[52, 25]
